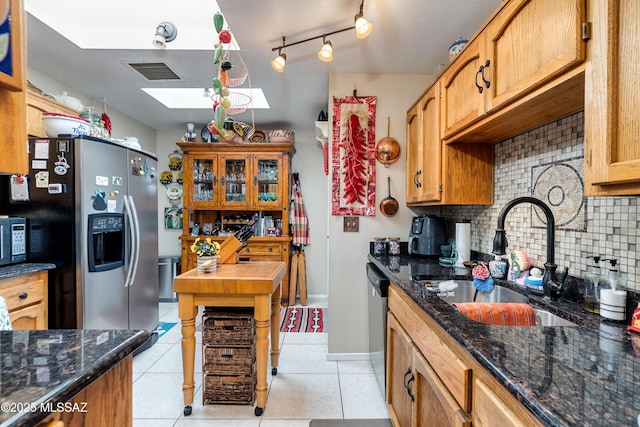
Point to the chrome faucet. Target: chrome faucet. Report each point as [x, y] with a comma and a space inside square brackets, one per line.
[551, 284]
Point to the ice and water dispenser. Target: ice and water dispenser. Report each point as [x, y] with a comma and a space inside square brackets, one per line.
[106, 237]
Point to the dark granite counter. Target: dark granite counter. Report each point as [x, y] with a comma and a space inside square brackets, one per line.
[16, 270]
[41, 368]
[566, 376]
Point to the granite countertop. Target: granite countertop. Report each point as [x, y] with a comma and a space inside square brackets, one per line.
[45, 367]
[566, 376]
[16, 270]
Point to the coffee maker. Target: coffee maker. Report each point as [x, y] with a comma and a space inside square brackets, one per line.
[427, 234]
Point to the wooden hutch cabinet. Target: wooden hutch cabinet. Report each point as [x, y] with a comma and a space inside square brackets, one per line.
[228, 185]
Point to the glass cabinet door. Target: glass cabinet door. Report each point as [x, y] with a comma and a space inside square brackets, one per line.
[204, 176]
[267, 182]
[234, 180]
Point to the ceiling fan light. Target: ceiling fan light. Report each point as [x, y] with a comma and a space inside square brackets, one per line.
[326, 52]
[279, 62]
[363, 27]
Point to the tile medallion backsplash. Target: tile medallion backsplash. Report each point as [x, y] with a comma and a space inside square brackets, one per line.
[606, 226]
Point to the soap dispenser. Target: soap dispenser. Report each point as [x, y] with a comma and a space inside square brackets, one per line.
[591, 289]
[613, 295]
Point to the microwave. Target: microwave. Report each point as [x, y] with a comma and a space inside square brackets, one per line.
[13, 240]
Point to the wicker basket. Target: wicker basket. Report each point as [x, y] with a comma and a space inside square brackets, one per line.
[228, 328]
[228, 389]
[236, 76]
[229, 360]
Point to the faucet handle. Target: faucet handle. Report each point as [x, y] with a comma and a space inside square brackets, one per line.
[563, 276]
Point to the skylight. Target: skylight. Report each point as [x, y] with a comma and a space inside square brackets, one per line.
[193, 97]
[126, 24]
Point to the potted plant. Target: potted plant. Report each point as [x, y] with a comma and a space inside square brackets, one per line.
[207, 251]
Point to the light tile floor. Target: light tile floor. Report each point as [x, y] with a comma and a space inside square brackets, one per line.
[307, 385]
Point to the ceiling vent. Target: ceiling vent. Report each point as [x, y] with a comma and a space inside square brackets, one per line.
[155, 71]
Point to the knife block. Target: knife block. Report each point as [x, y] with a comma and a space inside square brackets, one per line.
[229, 251]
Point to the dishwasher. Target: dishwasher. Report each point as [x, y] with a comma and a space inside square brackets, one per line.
[378, 307]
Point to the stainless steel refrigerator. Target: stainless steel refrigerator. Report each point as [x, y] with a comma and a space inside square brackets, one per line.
[92, 211]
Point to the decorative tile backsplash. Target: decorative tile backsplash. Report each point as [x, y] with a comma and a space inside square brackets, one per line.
[612, 223]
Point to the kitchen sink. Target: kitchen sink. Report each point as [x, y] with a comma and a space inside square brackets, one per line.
[466, 292]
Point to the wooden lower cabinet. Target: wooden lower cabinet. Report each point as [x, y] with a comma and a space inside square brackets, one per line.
[489, 409]
[27, 300]
[106, 402]
[433, 381]
[435, 405]
[399, 373]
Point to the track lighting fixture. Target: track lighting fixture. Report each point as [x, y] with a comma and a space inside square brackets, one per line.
[326, 51]
[165, 33]
[361, 25]
[279, 61]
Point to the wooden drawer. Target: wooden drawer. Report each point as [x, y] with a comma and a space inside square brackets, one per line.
[453, 371]
[262, 249]
[23, 291]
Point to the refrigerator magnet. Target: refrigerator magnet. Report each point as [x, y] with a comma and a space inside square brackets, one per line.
[42, 179]
[61, 166]
[41, 150]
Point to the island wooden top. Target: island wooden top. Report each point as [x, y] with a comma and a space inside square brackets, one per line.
[241, 278]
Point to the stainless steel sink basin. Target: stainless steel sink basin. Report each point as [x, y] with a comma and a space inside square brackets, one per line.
[544, 318]
[466, 292]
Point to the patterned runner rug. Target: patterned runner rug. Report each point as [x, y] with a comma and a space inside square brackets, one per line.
[302, 319]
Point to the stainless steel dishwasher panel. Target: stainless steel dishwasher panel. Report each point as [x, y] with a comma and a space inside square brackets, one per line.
[378, 307]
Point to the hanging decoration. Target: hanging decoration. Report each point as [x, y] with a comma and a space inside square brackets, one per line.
[353, 159]
[173, 214]
[226, 102]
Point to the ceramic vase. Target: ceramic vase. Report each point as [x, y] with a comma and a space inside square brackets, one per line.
[207, 264]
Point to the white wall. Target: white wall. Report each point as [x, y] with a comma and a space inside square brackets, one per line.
[347, 252]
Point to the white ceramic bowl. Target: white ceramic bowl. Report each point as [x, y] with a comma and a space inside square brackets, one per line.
[62, 124]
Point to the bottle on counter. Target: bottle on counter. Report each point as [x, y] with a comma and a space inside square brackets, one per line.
[613, 295]
[591, 283]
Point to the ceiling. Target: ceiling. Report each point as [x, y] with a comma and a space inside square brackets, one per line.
[409, 37]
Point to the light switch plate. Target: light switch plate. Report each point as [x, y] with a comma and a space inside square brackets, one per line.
[351, 224]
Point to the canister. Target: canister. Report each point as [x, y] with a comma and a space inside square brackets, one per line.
[379, 246]
[394, 246]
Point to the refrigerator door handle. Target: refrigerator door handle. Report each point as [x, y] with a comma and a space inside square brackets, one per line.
[129, 218]
[136, 245]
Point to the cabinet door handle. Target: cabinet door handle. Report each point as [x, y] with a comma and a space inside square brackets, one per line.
[476, 79]
[23, 295]
[222, 180]
[415, 179]
[215, 180]
[407, 383]
[487, 83]
[255, 180]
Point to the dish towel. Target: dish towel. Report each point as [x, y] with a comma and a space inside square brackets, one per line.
[299, 219]
[501, 314]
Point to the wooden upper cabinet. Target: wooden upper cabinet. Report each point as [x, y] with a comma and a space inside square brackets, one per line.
[525, 68]
[424, 146]
[414, 154]
[37, 105]
[463, 89]
[612, 100]
[431, 189]
[531, 42]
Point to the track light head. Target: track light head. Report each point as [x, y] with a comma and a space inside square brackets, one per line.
[279, 62]
[165, 33]
[326, 51]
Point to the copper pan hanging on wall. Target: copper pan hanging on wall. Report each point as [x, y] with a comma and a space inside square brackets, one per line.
[387, 148]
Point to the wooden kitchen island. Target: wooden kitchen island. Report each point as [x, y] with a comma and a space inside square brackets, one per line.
[253, 284]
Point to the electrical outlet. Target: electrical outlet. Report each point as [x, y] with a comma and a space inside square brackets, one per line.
[351, 224]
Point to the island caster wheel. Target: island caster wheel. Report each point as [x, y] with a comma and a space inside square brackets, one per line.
[187, 411]
[258, 411]
[274, 371]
